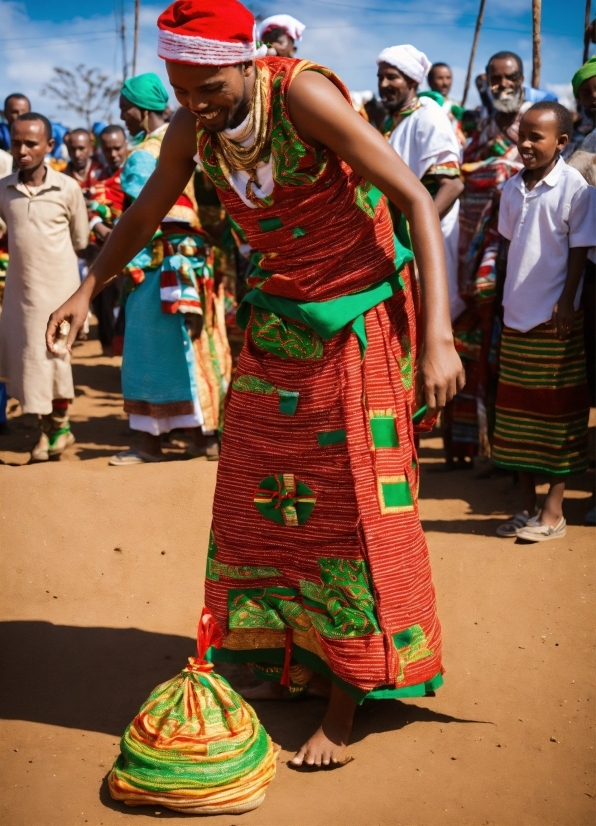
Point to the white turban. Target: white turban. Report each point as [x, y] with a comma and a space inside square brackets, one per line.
[293, 28]
[408, 60]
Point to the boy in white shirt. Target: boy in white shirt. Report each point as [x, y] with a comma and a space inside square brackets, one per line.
[548, 215]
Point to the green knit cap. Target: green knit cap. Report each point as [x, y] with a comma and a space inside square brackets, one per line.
[146, 91]
[587, 71]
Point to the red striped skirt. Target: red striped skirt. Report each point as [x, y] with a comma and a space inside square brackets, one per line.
[317, 559]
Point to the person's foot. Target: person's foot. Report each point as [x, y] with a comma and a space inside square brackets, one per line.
[40, 451]
[327, 745]
[536, 531]
[204, 445]
[60, 440]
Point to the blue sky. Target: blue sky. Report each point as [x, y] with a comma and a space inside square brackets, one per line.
[346, 36]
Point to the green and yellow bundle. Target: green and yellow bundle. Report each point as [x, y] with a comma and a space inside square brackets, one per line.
[195, 746]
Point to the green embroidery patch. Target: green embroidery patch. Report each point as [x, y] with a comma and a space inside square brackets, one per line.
[216, 569]
[405, 363]
[395, 495]
[298, 232]
[343, 605]
[270, 224]
[383, 430]
[266, 608]
[284, 499]
[367, 197]
[284, 338]
[411, 646]
[331, 437]
[253, 384]
[288, 399]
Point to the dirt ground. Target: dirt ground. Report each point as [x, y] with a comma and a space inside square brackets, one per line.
[102, 573]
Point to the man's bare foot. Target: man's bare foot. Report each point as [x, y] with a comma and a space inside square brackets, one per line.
[150, 444]
[327, 745]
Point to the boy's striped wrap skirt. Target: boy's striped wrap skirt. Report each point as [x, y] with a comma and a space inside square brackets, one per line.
[542, 402]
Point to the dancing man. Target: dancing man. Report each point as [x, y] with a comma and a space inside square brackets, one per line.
[317, 561]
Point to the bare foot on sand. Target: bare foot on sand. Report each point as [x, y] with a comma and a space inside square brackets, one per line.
[327, 745]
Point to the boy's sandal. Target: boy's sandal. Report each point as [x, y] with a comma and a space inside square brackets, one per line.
[510, 528]
[133, 457]
[537, 532]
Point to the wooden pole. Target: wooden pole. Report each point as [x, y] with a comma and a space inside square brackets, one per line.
[587, 31]
[123, 40]
[536, 62]
[136, 38]
[473, 52]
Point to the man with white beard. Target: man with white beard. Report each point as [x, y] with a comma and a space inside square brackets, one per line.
[489, 160]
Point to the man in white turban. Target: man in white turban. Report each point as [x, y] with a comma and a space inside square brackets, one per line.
[280, 33]
[423, 137]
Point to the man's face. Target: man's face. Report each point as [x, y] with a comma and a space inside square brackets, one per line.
[216, 95]
[539, 138]
[29, 144]
[441, 80]
[284, 46]
[394, 88]
[505, 82]
[132, 116]
[587, 95]
[79, 149]
[14, 107]
[113, 147]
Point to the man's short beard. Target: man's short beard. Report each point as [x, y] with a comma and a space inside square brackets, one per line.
[507, 104]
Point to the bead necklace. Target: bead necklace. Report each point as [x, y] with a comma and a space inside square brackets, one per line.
[231, 155]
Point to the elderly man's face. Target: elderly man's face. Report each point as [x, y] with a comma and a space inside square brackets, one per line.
[505, 81]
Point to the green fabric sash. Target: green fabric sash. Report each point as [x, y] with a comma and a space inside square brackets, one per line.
[328, 318]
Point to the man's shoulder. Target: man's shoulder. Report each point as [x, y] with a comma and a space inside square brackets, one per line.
[8, 180]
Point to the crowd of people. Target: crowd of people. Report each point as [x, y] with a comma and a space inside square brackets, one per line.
[176, 298]
[381, 261]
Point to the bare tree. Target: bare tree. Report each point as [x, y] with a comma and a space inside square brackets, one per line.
[85, 91]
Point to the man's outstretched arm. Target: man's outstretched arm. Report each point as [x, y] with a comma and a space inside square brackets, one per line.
[137, 225]
[324, 117]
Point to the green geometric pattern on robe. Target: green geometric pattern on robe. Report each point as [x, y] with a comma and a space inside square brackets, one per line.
[216, 569]
[288, 399]
[405, 363]
[411, 646]
[284, 338]
[266, 608]
[383, 431]
[343, 605]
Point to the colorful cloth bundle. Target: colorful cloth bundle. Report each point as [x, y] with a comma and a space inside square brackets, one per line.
[195, 746]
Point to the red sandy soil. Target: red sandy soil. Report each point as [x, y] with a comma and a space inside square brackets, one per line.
[102, 580]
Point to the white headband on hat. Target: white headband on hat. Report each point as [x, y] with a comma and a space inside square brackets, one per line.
[293, 27]
[407, 59]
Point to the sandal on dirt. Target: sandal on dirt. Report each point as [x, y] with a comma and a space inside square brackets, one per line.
[511, 528]
[133, 457]
[537, 532]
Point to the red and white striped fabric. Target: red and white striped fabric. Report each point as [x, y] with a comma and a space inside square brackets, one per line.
[205, 33]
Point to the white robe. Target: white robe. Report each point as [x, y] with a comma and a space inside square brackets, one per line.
[424, 139]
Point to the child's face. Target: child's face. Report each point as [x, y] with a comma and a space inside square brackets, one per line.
[539, 138]
[29, 144]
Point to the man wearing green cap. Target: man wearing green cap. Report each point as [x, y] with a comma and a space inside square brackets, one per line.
[169, 283]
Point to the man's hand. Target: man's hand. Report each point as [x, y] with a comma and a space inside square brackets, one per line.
[75, 312]
[102, 232]
[563, 317]
[440, 376]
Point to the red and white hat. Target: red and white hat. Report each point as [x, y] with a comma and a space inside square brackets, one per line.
[207, 32]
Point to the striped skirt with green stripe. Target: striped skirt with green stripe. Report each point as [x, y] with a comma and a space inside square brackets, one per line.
[542, 402]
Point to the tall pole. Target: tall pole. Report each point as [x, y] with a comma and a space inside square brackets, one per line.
[136, 39]
[536, 62]
[473, 52]
[587, 31]
[123, 39]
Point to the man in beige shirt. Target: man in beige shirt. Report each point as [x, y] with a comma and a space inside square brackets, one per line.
[46, 219]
